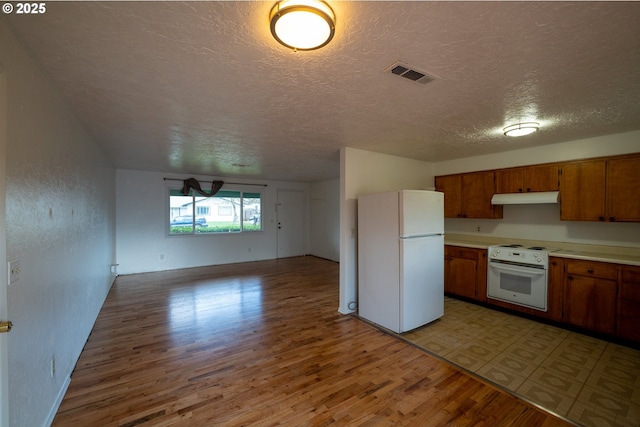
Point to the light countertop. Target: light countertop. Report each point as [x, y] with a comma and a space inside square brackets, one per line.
[612, 254]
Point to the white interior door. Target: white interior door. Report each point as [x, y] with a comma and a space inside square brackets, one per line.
[290, 225]
[4, 363]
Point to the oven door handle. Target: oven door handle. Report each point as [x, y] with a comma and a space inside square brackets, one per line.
[530, 271]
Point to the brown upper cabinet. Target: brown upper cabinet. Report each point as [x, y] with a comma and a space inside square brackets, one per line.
[601, 190]
[468, 195]
[623, 189]
[527, 179]
[451, 186]
[582, 191]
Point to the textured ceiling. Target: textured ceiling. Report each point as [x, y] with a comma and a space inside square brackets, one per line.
[203, 88]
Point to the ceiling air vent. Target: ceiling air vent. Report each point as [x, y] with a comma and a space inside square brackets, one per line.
[408, 72]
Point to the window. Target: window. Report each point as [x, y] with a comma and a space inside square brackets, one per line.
[226, 212]
[203, 210]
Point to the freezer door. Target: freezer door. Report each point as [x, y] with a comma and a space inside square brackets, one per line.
[421, 281]
[421, 213]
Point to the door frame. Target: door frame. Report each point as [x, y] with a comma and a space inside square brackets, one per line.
[4, 281]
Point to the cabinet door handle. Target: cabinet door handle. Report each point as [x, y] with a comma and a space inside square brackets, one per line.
[528, 190]
[612, 218]
[590, 271]
[601, 218]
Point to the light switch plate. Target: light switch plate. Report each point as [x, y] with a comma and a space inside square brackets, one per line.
[14, 271]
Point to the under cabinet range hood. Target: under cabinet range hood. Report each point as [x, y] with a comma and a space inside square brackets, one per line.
[540, 197]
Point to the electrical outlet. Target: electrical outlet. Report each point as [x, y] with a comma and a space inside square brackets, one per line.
[14, 271]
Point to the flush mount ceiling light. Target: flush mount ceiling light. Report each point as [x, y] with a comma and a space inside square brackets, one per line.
[521, 129]
[302, 24]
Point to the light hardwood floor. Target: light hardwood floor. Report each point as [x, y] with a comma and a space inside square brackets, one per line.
[262, 344]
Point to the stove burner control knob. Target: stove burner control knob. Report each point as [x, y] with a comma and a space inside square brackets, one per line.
[495, 253]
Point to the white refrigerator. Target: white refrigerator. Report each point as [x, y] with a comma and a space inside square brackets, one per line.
[401, 258]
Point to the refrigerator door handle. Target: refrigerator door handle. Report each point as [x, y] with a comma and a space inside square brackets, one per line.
[421, 236]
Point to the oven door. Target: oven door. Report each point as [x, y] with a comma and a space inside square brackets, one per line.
[518, 284]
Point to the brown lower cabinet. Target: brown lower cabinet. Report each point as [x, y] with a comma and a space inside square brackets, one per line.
[590, 291]
[555, 289]
[595, 296]
[465, 272]
[629, 304]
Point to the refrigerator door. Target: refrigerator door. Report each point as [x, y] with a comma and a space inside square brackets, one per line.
[421, 213]
[421, 281]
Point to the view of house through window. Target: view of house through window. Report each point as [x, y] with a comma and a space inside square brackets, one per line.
[225, 212]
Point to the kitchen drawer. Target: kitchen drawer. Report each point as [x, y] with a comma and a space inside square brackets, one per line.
[630, 291]
[593, 269]
[460, 252]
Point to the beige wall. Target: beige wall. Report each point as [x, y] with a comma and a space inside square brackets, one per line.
[364, 172]
[142, 242]
[325, 219]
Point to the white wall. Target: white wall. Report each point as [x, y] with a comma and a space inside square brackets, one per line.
[60, 225]
[607, 145]
[325, 219]
[143, 243]
[364, 172]
[542, 222]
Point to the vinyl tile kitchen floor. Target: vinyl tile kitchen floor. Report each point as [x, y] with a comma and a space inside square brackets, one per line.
[589, 381]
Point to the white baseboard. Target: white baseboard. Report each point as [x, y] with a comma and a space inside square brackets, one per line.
[58, 402]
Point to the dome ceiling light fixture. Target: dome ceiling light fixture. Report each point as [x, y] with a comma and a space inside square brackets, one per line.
[521, 129]
[302, 24]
